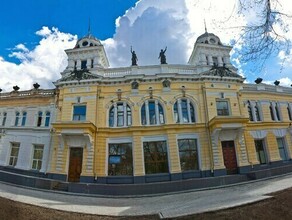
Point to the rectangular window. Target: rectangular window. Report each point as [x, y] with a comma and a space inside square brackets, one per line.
[4, 119]
[23, 121]
[14, 154]
[215, 61]
[79, 113]
[120, 160]
[260, 151]
[37, 157]
[188, 154]
[83, 64]
[155, 157]
[120, 114]
[282, 149]
[289, 112]
[222, 108]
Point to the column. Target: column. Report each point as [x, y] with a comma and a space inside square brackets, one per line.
[220, 61]
[274, 111]
[210, 60]
[78, 64]
[203, 59]
[252, 107]
[189, 110]
[147, 112]
[157, 113]
[125, 114]
[115, 115]
[88, 63]
[180, 116]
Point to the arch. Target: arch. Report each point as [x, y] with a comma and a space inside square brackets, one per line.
[17, 116]
[184, 111]
[152, 112]
[23, 120]
[48, 118]
[120, 114]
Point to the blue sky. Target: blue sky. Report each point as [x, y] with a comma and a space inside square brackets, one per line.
[19, 20]
[35, 33]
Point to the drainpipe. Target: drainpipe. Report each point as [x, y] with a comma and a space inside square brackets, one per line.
[240, 111]
[94, 153]
[53, 118]
[208, 128]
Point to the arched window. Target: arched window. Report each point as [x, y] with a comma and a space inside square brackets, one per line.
[152, 113]
[184, 111]
[4, 118]
[40, 118]
[17, 115]
[289, 112]
[23, 121]
[48, 118]
[120, 115]
[257, 112]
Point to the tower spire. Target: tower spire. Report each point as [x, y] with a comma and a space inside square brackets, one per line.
[89, 29]
[205, 25]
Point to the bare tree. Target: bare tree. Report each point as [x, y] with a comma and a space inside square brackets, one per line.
[264, 36]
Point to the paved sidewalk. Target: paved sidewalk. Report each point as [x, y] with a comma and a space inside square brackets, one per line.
[164, 205]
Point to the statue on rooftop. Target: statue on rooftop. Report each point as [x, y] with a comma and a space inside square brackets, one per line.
[134, 57]
[162, 56]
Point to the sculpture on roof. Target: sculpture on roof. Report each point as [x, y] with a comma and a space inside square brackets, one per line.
[162, 56]
[134, 57]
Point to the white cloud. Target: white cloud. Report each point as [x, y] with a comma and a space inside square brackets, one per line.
[149, 26]
[42, 64]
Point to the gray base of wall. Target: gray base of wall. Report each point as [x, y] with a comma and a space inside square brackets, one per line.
[149, 184]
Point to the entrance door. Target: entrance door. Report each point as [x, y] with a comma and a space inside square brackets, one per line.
[75, 164]
[229, 156]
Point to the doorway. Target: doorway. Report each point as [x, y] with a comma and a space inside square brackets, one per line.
[229, 156]
[75, 164]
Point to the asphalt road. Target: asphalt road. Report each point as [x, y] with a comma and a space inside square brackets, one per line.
[171, 205]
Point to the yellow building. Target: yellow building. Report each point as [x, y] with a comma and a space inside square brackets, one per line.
[143, 124]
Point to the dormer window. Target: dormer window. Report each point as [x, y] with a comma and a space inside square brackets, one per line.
[85, 43]
[212, 41]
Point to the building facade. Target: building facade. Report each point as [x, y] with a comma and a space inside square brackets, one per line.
[25, 123]
[165, 122]
[145, 124]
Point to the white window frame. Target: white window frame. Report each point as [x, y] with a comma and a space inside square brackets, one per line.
[180, 113]
[38, 160]
[157, 113]
[14, 157]
[114, 107]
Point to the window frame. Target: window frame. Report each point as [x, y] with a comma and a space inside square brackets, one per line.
[154, 106]
[4, 118]
[39, 161]
[47, 118]
[79, 116]
[13, 158]
[190, 111]
[125, 114]
[264, 151]
[159, 163]
[228, 110]
[17, 118]
[39, 118]
[282, 148]
[23, 120]
[122, 159]
[196, 165]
